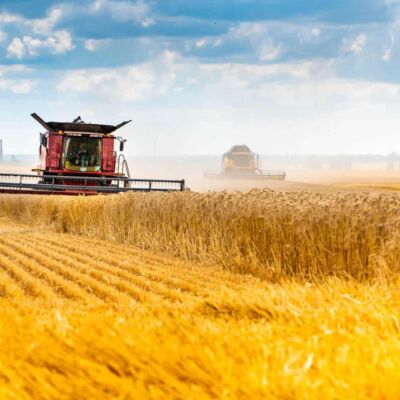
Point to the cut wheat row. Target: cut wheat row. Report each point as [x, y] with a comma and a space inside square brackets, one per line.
[180, 267]
[176, 274]
[107, 283]
[33, 286]
[131, 284]
[96, 286]
[131, 270]
[113, 266]
[10, 289]
[60, 285]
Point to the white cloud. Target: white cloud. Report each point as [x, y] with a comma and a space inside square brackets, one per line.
[249, 30]
[3, 36]
[357, 46]
[138, 11]
[391, 2]
[45, 25]
[7, 18]
[258, 36]
[306, 84]
[201, 43]
[38, 35]
[59, 42]
[133, 83]
[268, 51]
[242, 76]
[31, 45]
[16, 49]
[147, 80]
[387, 55]
[42, 26]
[218, 42]
[22, 87]
[130, 83]
[10, 82]
[95, 44]
[331, 91]
[90, 45]
[316, 32]
[13, 69]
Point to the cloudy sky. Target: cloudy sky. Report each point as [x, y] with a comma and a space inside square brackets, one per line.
[284, 76]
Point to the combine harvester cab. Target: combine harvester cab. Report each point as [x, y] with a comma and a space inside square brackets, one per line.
[77, 158]
[241, 163]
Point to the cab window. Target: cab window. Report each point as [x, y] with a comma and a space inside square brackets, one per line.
[82, 154]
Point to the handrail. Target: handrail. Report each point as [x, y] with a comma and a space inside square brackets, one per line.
[122, 165]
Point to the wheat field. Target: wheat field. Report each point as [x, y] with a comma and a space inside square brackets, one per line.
[200, 296]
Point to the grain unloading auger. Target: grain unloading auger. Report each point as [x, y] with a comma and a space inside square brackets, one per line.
[77, 158]
[241, 163]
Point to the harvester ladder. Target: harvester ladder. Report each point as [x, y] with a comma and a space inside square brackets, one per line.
[122, 166]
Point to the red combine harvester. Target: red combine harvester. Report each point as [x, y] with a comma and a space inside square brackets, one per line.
[77, 158]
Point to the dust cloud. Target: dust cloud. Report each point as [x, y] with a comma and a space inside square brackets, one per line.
[193, 170]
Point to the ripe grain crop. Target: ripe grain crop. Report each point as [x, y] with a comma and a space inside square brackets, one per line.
[330, 341]
[71, 330]
[164, 315]
[272, 235]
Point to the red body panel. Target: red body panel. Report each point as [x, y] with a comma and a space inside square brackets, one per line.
[108, 156]
[54, 150]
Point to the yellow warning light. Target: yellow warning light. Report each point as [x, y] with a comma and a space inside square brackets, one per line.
[60, 132]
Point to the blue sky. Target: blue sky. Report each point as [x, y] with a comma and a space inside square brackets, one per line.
[284, 76]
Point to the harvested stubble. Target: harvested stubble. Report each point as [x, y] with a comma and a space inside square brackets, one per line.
[271, 235]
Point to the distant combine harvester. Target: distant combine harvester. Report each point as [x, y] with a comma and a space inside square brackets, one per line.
[241, 163]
